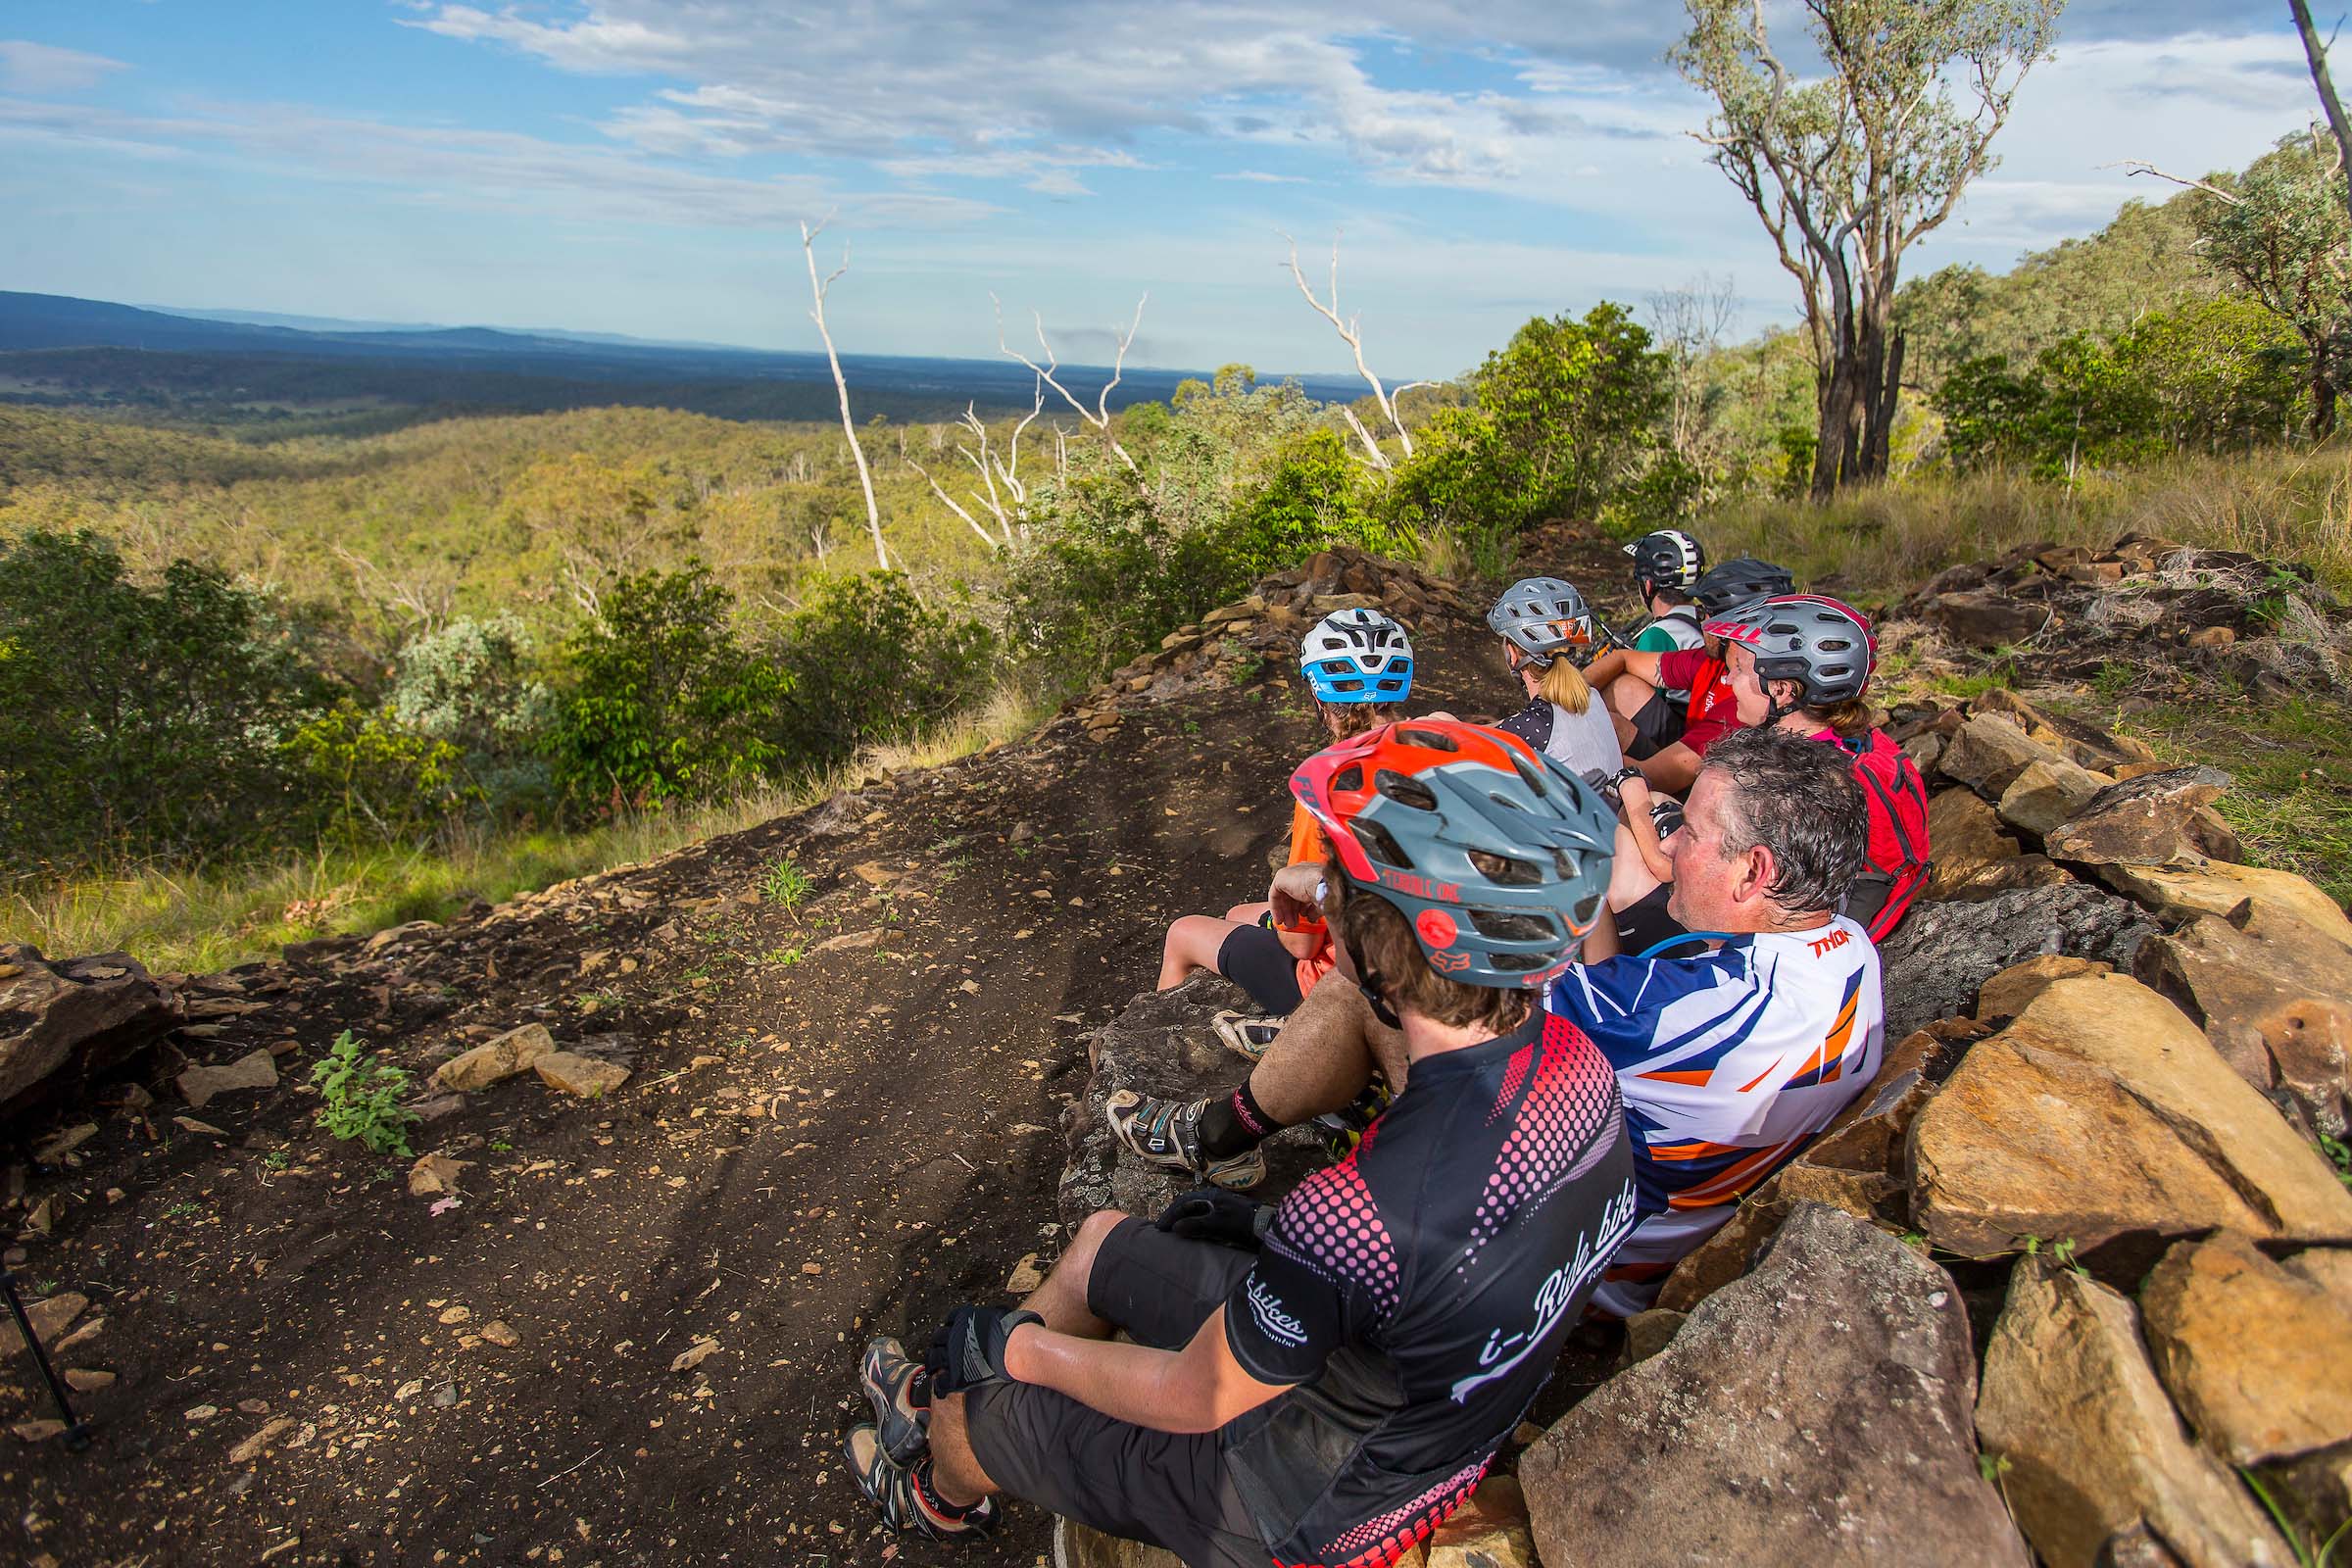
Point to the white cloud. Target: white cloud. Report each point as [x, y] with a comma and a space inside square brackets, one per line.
[27, 67]
[1258, 176]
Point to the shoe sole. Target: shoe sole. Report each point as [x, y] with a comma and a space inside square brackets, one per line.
[1236, 1174]
[1232, 1032]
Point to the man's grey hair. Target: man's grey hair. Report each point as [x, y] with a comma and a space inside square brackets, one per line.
[1796, 798]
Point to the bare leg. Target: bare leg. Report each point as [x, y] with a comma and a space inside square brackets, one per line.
[1191, 943]
[1628, 694]
[1325, 1055]
[1631, 878]
[955, 1472]
[1248, 913]
[1061, 1300]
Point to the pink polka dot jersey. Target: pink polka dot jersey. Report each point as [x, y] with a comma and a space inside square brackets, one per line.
[1416, 1294]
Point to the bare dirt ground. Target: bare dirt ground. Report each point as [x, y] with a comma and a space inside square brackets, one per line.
[818, 1142]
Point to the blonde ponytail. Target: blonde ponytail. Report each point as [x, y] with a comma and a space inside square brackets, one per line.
[1564, 685]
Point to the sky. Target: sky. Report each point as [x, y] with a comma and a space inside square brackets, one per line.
[643, 165]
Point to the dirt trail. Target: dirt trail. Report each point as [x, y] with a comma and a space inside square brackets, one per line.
[817, 1142]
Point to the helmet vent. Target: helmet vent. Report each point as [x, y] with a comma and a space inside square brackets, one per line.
[1502, 925]
[1427, 739]
[1380, 845]
[1348, 780]
[1404, 790]
[1504, 869]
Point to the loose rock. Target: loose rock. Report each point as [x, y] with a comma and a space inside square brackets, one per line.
[2277, 1005]
[1942, 952]
[255, 1069]
[497, 1060]
[585, 1076]
[2157, 818]
[2047, 793]
[52, 1016]
[49, 1317]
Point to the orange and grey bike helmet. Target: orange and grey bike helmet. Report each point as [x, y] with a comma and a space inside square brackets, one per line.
[1496, 855]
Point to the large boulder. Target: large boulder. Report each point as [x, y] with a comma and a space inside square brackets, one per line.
[1161, 1044]
[77, 1014]
[1988, 751]
[2077, 740]
[1816, 1411]
[1965, 835]
[2048, 793]
[2160, 819]
[1942, 953]
[2089, 1449]
[2277, 1005]
[2100, 1115]
[2259, 1358]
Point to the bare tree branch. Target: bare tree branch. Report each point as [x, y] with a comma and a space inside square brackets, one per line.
[1099, 415]
[841, 386]
[2140, 165]
[1352, 334]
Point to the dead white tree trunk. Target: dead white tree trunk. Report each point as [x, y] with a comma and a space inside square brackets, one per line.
[1352, 334]
[1099, 415]
[816, 313]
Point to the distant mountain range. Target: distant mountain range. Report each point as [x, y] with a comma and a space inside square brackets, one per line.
[55, 348]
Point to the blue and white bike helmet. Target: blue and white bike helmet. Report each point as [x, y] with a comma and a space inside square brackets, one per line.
[1357, 655]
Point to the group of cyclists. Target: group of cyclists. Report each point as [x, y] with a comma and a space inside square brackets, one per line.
[1556, 991]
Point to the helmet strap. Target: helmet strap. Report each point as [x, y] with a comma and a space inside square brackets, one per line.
[1369, 983]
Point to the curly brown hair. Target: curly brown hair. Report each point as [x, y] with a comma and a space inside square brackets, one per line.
[1381, 940]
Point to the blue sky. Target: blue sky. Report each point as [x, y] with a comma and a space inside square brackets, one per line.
[641, 166]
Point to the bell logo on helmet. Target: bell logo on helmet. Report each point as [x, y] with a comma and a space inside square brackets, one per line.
[1437, 928]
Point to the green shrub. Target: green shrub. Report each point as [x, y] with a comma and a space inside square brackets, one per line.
[663, 700]
[360, 1098]
[139, 719]
[371, 777]
[470, 685]
[867, 661]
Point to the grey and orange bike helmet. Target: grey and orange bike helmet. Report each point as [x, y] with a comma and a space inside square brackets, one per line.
[1544, 617]
[1496, 855]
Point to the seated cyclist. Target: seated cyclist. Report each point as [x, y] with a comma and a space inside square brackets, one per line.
[1803, 662]
[1732, 1058]
[1728, 1059]
[1666, 565]
[1358, 665]
[1546, 626]
[1325, 1381]
[1635, 680]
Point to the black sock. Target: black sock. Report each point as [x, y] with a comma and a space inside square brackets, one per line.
[1235, 1125]
[928, 1490]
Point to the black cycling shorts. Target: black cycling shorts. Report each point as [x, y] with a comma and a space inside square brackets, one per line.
[1167, 1489]
[1644, 922]
[1658, 725]
[1254, 957]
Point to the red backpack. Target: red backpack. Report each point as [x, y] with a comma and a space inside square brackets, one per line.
[1896, 798]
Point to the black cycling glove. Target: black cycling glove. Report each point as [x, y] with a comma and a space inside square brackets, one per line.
[1213, 1215]
[968, 1350]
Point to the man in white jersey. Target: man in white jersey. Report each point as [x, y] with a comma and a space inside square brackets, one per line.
[1729, 1058]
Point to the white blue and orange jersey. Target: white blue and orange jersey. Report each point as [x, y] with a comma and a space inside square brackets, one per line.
[1728, 1062]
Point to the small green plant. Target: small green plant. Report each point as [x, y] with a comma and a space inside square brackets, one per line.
[184, 1211]
[361, 1097]
[785, 883]
[782, 957]
[1992, 1466]
[500, 1146]
[277, 1160]
[2340, 1155]
[2309, 1550]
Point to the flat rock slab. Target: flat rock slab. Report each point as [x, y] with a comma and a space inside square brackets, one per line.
[2277, 1007]
[255, 1069]
[1942, 952]
[1161, 1044]
[2093, 1448]
[1816, 1411]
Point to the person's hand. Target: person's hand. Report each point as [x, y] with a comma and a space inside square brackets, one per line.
[1213, 1215]
[968, 1352]
[1291, 896]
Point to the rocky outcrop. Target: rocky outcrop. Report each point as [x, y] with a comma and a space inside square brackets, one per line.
[2101, 1114]
[1967, 837]
[2086, 1446]
[2047, 794]
[1160, 1044]
[1817, 1411]
[74, 1016]
[2259, 1358]
[1942, 952]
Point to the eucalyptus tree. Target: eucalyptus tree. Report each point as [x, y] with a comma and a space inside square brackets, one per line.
[1848, 169]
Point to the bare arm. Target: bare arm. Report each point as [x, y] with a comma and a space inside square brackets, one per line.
[1621, 662]
[1198, 1388]
[1671, 769]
